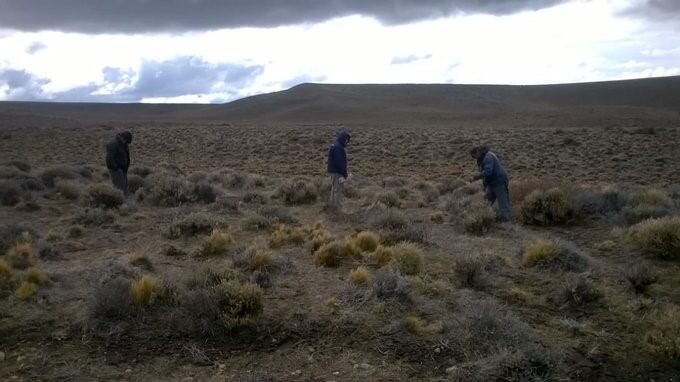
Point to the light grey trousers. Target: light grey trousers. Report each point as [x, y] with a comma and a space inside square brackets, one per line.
[335, 196]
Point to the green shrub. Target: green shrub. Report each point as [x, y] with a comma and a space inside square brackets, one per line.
[408, 258]
[479, 221]
[659, 237]
[551, 207]
[103, 195]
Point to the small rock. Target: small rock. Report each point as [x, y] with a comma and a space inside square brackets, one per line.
[128, 370]
[336, 373]
[451, 370]
[296, 372]
[437, 350]
[364, 366]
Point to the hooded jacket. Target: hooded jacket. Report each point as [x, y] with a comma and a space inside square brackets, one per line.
[337, 157]
[491, 169]
[117, 154]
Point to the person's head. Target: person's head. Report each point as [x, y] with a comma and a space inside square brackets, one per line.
[126, 137]
[477, 151]
[343, 137]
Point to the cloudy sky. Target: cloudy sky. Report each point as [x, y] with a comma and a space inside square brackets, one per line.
[217, 51]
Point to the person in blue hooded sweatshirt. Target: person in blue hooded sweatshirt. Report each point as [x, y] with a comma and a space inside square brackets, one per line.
[495, 180]
[337, 169]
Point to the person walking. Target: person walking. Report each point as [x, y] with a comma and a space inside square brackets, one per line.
[337, 169]
[118, 160]
[495, 180]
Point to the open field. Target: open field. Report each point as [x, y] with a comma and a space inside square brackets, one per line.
[223, 264]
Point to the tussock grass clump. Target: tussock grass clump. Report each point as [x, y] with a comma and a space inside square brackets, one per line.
[140, 260]
[73, 172]
[555, 254]
[391, 286]
[166, 190]
[360, 276]
[239, 303]
[141, 171]
[6, 276]
[75, 231]
[192, 225]
[26, 290]
[658, 237]
[255, 259]
[10, 234]
[69, 189]
[366, 241]
[636, 214]
[641, 277]
[480, 220]
[652, 197]
[415, 325]
[36, 276]
[254, 198]
[390, 219]
[664, 336]
[284, 235]
[551, 207]
[103, 195]
[470, 271]
[216, 244]
[10, 193]
[277, 215]
[257, 223]
[298, 191]
[145, 290]
[331, 254]
[20, 256]
[172, 251]
[395, 227]
[135, 182]
[112, 300]
[578, 290]
[437, 217]
[389, 199]
[408, 258]
[94, 217]
[383, 255]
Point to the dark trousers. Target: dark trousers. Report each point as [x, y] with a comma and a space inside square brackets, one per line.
[499, 194]
[119, 180]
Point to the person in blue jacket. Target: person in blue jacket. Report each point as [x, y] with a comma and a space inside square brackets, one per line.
[495, 180]
[118, 160]
[337, 169]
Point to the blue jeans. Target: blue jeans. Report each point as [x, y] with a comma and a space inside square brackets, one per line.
[499, 193]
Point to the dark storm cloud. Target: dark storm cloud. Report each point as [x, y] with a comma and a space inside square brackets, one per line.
[21, 85]
[655, 9]
[35, 47]
[138, 16]
[409, 59]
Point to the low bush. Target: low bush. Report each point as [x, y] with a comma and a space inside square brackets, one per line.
[277, 215]
[112, 300]
[390, 199]
[257, 223]
[577, 291]
[193, 224]
[651, 197]
[254, 198]
[635, 214]
[6, 276]
[36, 276]
[216, 244]
[658, 237]
[10, 193]
[640, 277]
[26, 290]
[470, 271]
[146, 290]
[68, 189]
[20, 256]
[285, 235]
[480, 220]
[360, 276]
[415, 325]
[75, 232]
[140, 171]
[390, 219]
[664, 336]
[254, 259]
[94, 217]
[140, 260]
[437, 217]
[72, 172]
[298, 191]
[103, 195]
[171, 191]
[383, 255]
[551, 207]
[172, 251]
[391, 286]
[331, 254]
[555, 254]
[135, 182]
[10, 234]
[366, 241]
[408, 258]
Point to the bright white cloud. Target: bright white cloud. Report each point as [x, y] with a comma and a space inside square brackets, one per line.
[578, 41]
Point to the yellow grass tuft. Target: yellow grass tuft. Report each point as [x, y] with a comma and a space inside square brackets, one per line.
[418, 326]
[146, 290]
[284, 235]
[331, 254]
[538, 252]
[651, 196]
[216, 244]
[140, 260]
[659, 237]
[26, 290]
[360, 276]
[366, 241]
[21, 255]
[383, 255]
[437, 217]
[408, 258]
[36, 276]
[260, 260]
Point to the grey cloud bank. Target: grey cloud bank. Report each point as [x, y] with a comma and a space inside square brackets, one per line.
[140, 16]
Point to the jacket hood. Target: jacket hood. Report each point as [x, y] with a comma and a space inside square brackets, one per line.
[342, 138]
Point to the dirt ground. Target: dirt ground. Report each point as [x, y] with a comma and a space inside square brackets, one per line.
[315, 323]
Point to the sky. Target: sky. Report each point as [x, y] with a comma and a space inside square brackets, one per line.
[210, 51]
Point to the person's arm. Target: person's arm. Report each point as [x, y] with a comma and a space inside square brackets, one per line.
[486, 169]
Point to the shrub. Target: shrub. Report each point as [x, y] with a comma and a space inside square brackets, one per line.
[21, 165]
[390, 219]
[366, 241]
[277, 215]
[652, 197]
[284, 235]
[229, 205]
[48, 251]
[254, 259]
[216, 244]
[437, 217]
[172, 251]
[555, 254]
[36, 276]
[10, 193]
[170, 191]
[664, 336]
[75, 232]
[10, 234]
[135, 182]
[641, 277]
[103, 195]
[140, 171]
[383, 255]
[26, 290]
[21, 255]
[331, 254]
[298, 191]
[360, 276]
[146, 290]
[94, 217]
[68, 189]
[6, 277]
[388, 285]
[550, 207]
[239, 303]
[479, 221]
[192, 225]
[73, 172]
[470, 271]
[112, 299]
[140, 260]
[254, 198]
[418, 326]
[257, 223]
[389, 199]
[412, 233]
[634, 215]
[408, 258]
[659, 237]
[578, 290]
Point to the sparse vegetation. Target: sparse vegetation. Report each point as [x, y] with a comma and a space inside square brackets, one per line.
[360, 276]
[94, 217]
[641, 277]
[555, 254]
[551, 207]
[26, 290]
[658, 237]
[146, 290]
[193, 224]
[331, 254]
[664, 335]
[578, 290]
[298, 191]
[103, 196]
[479, 221]
[36, 276]
[21, 255]
[408, 258]
[216, 244]
[470, 271]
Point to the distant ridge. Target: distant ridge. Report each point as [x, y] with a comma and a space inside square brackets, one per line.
[653, 101]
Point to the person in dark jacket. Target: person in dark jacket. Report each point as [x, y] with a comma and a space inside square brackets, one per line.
[337, 169]
[495, 180]
[118, 160]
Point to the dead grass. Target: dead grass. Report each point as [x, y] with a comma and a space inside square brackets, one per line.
[479, 221]
[140, 260]
[36, 276]
[298, 192]
[556, 254]
[21, 255]
[331, 254]
[193, 224]
[664, 335]
[551, 207]
[360, 276]
[26, 290]
[102, 195]
[146, 290]
[658, 237]
[285, 235]
[640, 277]
[408, 258]
[218, 243]
[415, 325]
[366, 241]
